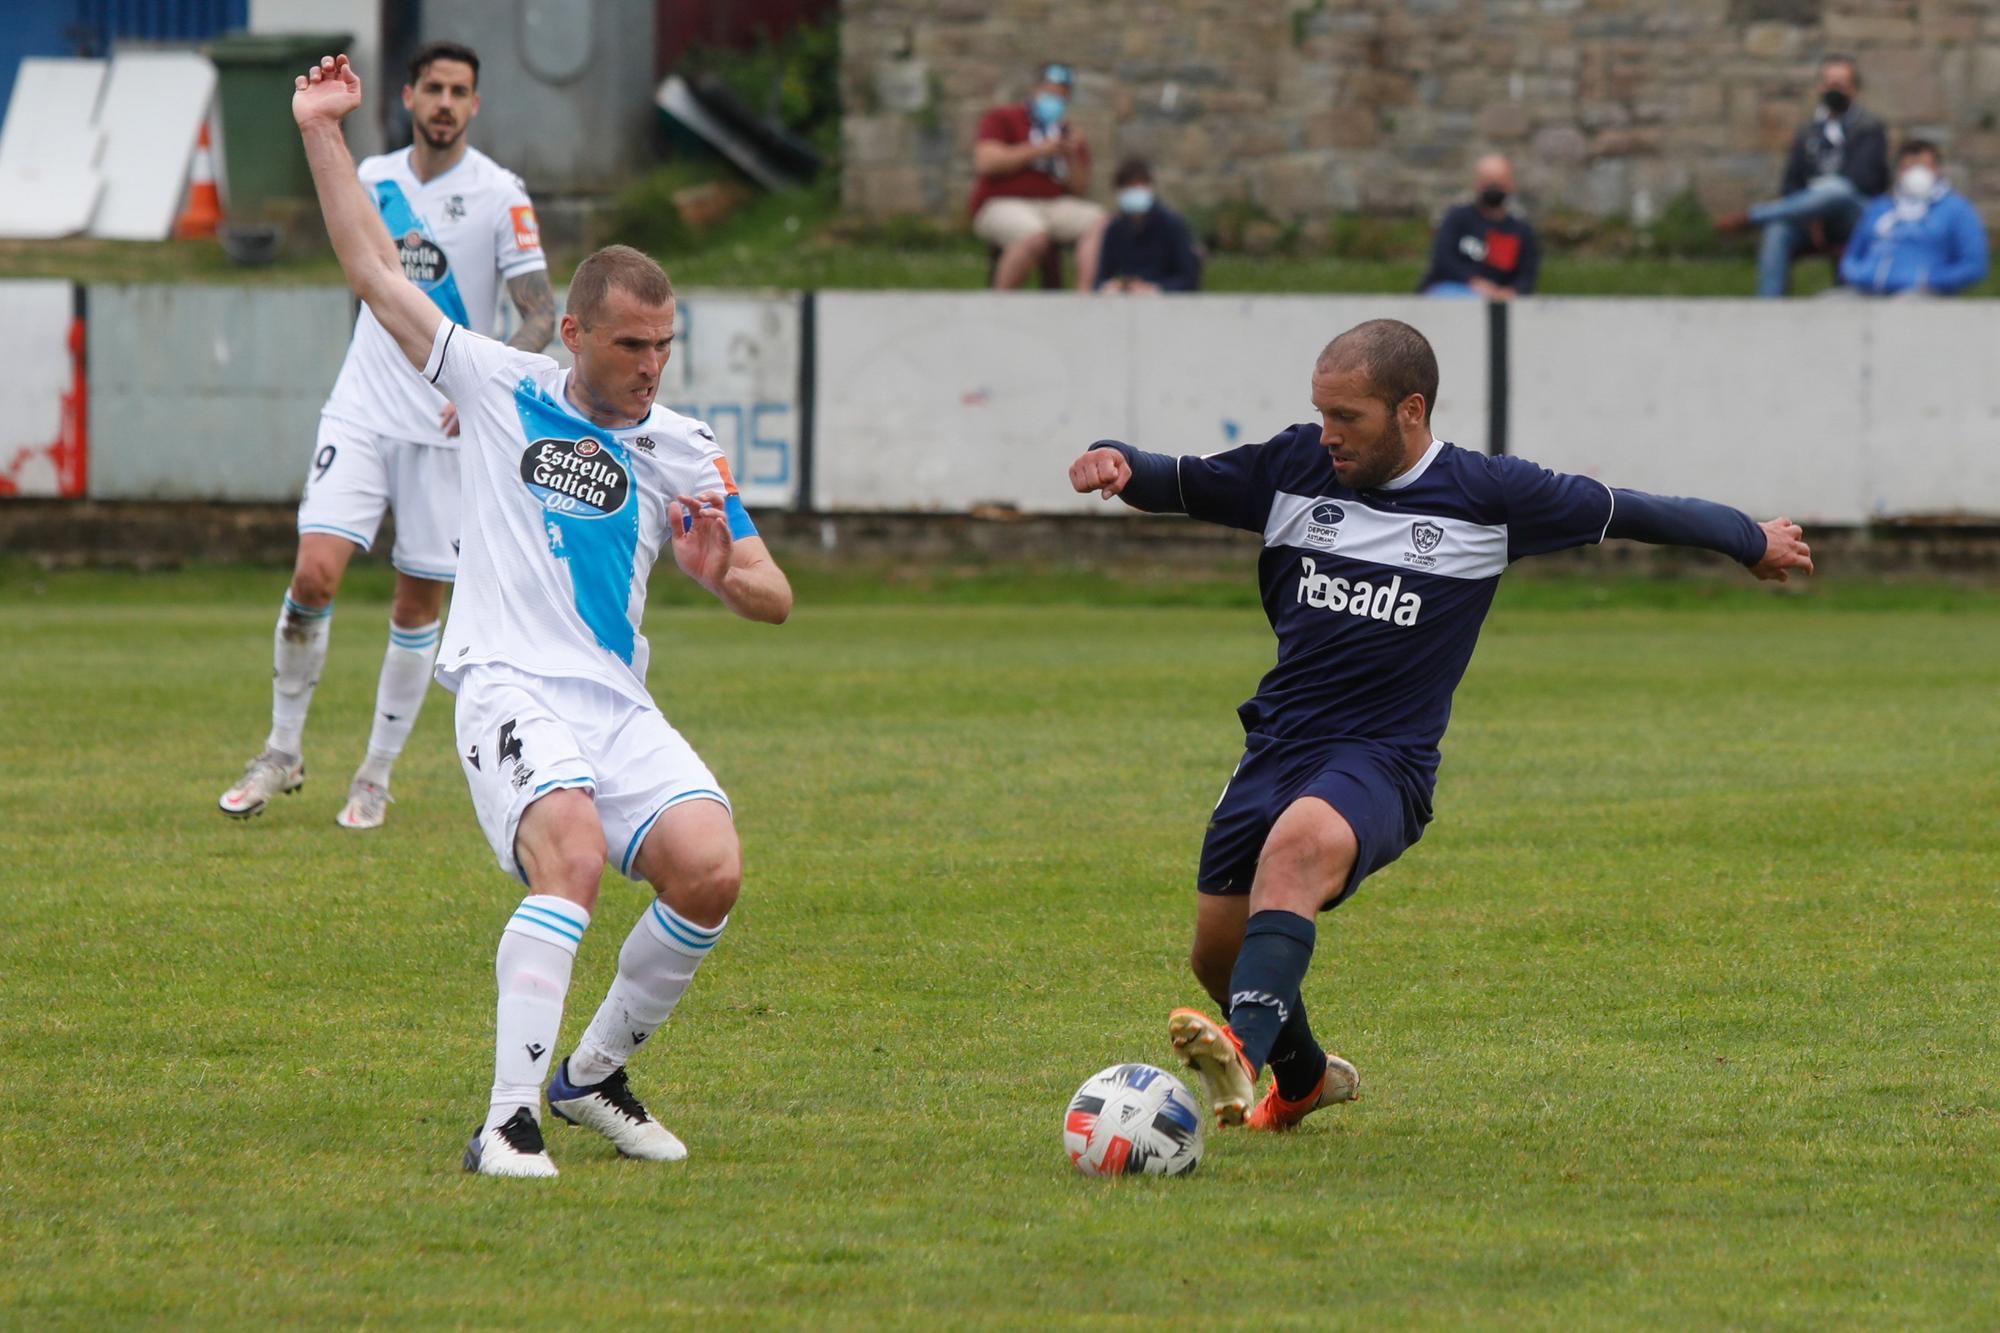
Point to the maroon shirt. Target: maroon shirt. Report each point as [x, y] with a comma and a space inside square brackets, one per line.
[1044, 178]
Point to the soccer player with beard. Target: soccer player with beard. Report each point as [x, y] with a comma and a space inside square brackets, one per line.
[387, 440]
[574, 482]
[1382, 550]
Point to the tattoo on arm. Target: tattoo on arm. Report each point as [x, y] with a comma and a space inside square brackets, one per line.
[536, 302]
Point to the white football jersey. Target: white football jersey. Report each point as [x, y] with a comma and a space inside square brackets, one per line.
[561, 519]
[460, 235]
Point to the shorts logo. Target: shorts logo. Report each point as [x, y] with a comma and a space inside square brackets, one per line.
[580, 478]
[1323, 524]
[423, 262]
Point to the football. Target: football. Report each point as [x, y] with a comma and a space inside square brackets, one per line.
[1133, 1120]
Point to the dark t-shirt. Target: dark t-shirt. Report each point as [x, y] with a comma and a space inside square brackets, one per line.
[1471, 245]
[1377, 597]
[1156, 248]
[1043, 178]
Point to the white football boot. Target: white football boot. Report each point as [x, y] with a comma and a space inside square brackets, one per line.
[270, 773]
[367, 805]
[515, 1148]
[611, 1109]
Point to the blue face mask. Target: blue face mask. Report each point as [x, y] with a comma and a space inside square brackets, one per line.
[1049, 108]
[1136, 199]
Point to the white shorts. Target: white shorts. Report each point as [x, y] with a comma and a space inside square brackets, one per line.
[357, 474]
[522, 736]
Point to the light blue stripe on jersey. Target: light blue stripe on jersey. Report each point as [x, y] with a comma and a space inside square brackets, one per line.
[601, 549]
[402, 219]
[685, 932]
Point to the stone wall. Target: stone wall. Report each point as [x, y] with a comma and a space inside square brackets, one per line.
[1313, 107]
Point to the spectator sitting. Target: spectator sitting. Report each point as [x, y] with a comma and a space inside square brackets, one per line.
[1147, 247]
[1033, 171]
[1922, 237]
[1839, 161]
[1482, 248]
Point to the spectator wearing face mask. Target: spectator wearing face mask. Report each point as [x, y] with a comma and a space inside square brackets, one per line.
[1923, 236]
[1147, 247]
[1483, 248]
[1838, 163]
[1033, 173]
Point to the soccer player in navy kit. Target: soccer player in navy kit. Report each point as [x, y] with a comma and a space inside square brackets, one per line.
[1382, 550]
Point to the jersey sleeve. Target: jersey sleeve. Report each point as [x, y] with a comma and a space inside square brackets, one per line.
[714, 475]
[1231, 488]
[461, 361]
[517, 236]
[1550, 511]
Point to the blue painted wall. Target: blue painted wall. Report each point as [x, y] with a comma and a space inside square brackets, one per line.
[89, 27]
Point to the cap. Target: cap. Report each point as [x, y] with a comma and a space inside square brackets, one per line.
[1059, 73]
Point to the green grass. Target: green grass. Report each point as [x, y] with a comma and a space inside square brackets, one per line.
[1682, 1014]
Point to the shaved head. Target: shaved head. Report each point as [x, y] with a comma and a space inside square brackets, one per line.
[1394, 358]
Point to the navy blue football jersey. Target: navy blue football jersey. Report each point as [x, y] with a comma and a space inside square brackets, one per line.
[1377, 596]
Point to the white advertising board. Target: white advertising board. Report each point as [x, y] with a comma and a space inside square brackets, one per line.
[947, 401]
[34, 346]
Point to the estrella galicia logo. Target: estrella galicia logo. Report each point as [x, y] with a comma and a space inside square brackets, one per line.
[1323, 524]
[423, 262]
[1425, 537]
[580, 478]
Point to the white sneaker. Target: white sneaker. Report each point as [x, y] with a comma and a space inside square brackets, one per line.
[513, 1149]
[367, 805]
[611, 1109]
[266, 776]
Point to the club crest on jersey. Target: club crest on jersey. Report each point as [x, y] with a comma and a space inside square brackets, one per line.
[1424, 539]
[423, 262]
[1358, 597]
[1323, 524]
[454, 208]
[580, 478]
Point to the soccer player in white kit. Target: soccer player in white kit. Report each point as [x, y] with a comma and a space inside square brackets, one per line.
[574, 480]
[387, 439]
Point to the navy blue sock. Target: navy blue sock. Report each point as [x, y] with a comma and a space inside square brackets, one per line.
[1296, 1059]
[1264, 986]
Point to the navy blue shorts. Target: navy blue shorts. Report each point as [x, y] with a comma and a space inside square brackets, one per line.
[1381, 798]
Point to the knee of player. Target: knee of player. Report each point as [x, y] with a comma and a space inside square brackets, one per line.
[314, 584]
[1320, 842]
[574, 869]
[706, 894]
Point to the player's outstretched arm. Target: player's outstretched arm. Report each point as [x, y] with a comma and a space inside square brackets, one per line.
[1769, 550]
[738, 570]
[1150, 482]
[322, 98]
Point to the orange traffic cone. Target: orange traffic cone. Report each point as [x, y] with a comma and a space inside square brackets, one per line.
[203, 213]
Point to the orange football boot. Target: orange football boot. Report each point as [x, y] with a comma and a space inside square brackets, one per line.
[1338, 1083]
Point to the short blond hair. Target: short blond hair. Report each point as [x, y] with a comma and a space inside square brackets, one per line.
[617, 267]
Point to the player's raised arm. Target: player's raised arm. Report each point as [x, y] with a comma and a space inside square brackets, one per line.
[1148, 482]
[323, 97]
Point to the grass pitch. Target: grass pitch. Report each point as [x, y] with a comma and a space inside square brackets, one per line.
[1683, 1013]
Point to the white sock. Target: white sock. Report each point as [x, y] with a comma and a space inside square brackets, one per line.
[654, 969]
[298, 653]
[406, 676]
[537, 950]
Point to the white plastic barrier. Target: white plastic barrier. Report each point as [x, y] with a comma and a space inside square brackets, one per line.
[213, 393]
[40, 444]
[1835, 410]
[946, 401]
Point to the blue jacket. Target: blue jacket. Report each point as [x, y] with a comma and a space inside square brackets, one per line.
[1943, 251]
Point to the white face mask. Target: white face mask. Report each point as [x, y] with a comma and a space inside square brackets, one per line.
[1135, 198]
[1916, 182]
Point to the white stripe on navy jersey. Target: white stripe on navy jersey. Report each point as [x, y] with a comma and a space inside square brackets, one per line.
[1431, 543]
